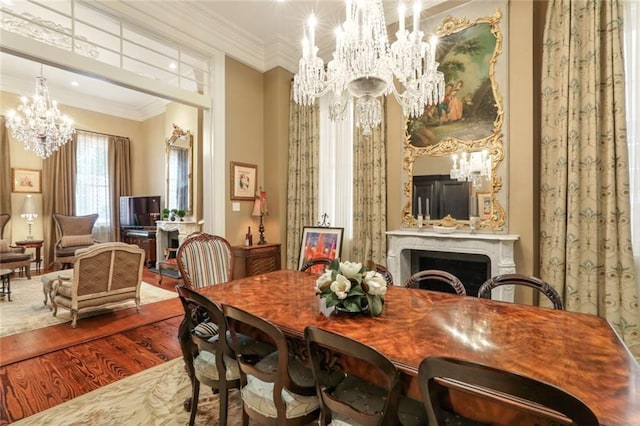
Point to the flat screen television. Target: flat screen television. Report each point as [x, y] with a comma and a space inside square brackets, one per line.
[140, 211]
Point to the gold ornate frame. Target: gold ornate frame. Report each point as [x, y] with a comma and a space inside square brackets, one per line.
[492, 144]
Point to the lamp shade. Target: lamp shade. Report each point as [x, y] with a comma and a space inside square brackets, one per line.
[29, 207]
[260, 204]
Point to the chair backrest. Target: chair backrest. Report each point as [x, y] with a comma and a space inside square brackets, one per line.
[197, 310]
[422, 279]
[205, 259]
[437, 374]
[4, 219]
[74, 225]
[385, 273]
[520, 279]
[241, 322]
[324, 345]
[313, 265]
[108, 267]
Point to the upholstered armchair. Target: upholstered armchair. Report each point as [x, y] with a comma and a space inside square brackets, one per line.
[12, 257]
[103, 274]
[74, 232]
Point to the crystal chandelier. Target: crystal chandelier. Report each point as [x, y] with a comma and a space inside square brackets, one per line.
[366, 67]
[40, 127]
[472, 167]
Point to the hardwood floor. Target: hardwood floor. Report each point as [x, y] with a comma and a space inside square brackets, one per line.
[40, 382]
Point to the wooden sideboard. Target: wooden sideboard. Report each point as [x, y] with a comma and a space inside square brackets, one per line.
[255, 260]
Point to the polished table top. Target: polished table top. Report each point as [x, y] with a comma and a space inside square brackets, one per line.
[577, 352]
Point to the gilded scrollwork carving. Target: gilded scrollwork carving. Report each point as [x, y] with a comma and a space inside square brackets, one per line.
[426, 137]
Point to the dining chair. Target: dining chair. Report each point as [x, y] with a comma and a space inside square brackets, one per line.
[530, 397]
[206, 354]
[312, 265]
[276, 388]
[384, 271]
[525, 280]
[205, 259]
[338, 364]
[433, 279]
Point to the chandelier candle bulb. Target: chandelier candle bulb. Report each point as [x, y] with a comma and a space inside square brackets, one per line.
[401, 10]
[416, 18]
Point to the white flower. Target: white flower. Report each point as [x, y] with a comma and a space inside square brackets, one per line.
[350, 269]
[323, 281]
[376, 283]
[341, 286]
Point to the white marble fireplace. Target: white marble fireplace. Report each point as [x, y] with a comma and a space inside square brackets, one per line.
[497, 247]
[164, 229]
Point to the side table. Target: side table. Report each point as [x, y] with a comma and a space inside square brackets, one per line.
[35, 244]
[255, 260]
[5, 276]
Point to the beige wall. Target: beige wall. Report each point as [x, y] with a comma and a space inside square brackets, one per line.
[245, 144]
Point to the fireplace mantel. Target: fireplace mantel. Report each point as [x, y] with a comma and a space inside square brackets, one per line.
[163, 228]
[497, 247]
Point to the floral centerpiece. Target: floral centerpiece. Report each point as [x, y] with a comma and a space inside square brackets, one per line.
[351, 287]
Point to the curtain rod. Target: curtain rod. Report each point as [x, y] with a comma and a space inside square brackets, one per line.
[100, 133]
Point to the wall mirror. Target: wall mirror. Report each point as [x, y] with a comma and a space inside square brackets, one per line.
[452, 151]
[179, 166]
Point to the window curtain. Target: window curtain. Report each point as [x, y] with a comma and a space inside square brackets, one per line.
[93, 194]
[5, 173]
[302, 184]
[585, 233]
[335, 195]
[632, 80]
[120, 178]
[58, 192]
[370, 196]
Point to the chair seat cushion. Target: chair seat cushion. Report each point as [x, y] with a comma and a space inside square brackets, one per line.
[369, 398]
[259, 396]
[68, 251]
[205, 365]
[206, 329]
[14, 257]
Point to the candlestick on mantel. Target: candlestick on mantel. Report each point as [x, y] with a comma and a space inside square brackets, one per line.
[419, 206]
[426, 211]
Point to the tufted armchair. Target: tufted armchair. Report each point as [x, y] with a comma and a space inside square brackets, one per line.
[74, 232]
[12, 257]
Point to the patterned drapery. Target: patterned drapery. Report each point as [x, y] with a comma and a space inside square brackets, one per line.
[5, 171]
[119, 177]
[585, 231]
[370, 196]
[302, 184]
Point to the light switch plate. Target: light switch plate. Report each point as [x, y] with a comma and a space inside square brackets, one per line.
[235, 207]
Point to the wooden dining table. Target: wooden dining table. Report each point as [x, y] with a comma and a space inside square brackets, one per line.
[579, 353]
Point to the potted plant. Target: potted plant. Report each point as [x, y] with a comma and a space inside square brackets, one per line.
[181, 213]
[174, 212]
[165, 214]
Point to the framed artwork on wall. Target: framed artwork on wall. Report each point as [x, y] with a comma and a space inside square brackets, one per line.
[26, 181]
[320, 242]
[243, 181]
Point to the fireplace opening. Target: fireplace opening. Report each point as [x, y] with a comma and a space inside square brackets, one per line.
[472, 269]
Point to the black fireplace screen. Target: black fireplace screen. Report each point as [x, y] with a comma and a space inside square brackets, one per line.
[471, 269]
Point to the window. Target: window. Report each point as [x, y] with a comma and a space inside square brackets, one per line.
[336, 171]
[92, 181]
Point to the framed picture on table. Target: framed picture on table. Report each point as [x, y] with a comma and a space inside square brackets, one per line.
[26, 181]
[243, 181]
[320, 242]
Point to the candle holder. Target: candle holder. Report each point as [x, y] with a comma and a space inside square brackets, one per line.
[420, 221]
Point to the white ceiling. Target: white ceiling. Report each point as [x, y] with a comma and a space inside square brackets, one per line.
[260, 33]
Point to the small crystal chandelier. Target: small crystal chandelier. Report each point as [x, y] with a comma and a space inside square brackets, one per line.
[472, 167]
[41, 127]
[365, 66]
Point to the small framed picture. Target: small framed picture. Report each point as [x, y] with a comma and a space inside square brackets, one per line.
[484, 204]
[243, 181]
[320, 242]
[27, 180]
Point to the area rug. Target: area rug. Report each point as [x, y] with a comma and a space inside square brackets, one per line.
[26, 311]
[151, 397]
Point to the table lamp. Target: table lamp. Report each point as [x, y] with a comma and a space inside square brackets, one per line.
[29, 213]
[260, 209]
